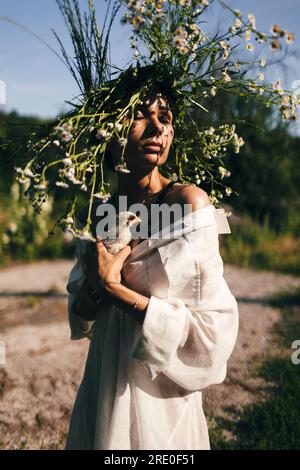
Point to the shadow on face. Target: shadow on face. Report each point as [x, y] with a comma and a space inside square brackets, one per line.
[150, 136]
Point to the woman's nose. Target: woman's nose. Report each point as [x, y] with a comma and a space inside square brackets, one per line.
[156, 124]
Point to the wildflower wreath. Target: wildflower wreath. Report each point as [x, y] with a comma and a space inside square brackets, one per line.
[174, 53]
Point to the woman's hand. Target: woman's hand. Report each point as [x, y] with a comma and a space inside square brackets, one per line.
[102, 268]
[110, 266]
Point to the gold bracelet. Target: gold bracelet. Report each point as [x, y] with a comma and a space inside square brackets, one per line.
[135, 305]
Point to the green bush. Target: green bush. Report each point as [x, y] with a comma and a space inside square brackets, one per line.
[24, 234]
[254, 245]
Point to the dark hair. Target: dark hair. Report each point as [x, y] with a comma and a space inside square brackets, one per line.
[108, 160]
[130, 81]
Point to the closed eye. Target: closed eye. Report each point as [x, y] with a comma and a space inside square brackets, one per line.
[161, 118]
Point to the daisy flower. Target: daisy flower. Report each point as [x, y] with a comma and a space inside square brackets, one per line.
[61, 184]
[121, 169]
[289, 37]
[275, 45]
[262, 62]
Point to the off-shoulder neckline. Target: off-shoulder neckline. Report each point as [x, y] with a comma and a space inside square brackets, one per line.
[187, 220]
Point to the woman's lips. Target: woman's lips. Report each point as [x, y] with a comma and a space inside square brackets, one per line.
[152, 148]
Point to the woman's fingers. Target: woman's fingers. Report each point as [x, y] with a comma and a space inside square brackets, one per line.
[124, 253]
[100, 246]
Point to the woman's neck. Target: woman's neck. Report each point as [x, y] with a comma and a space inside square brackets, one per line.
[137, 186]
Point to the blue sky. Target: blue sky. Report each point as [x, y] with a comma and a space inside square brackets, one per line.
[38, 83]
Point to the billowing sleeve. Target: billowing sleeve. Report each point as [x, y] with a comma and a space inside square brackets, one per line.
[190, 335]
[79, 327]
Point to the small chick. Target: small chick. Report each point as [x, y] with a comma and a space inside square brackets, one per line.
[120, 235]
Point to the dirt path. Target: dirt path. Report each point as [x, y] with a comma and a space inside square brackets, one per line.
[43, 366]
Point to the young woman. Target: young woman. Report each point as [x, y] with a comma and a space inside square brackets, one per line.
[168, 322]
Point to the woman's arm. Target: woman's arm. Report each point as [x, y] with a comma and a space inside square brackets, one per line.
[87, 303]
[126, 299]
[104, 275]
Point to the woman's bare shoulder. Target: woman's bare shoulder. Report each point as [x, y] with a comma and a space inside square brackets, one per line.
[188, 194]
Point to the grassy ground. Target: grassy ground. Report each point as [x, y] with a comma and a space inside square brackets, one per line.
[274, 422]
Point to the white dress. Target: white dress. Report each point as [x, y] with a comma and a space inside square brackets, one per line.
[142, 385]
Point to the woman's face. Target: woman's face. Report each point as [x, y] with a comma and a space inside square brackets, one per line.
[153, 123]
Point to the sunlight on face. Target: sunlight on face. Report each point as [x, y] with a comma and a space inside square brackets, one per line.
[153, 124]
